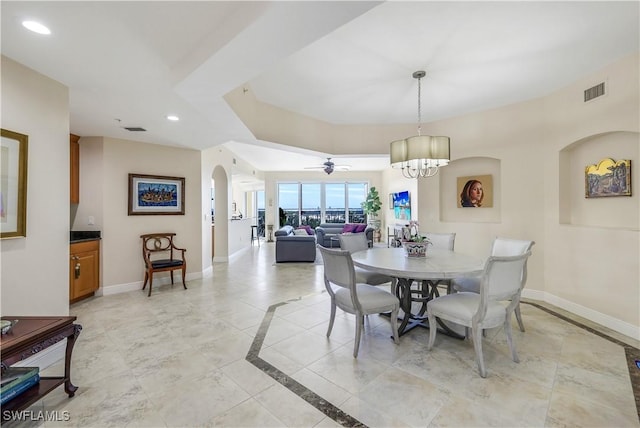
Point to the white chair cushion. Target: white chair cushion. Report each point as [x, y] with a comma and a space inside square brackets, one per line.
[372, 299]
[461, 307]
[372, 278]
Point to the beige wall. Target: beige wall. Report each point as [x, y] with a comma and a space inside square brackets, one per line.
[105, 167]
[34, 277]
[587, 252]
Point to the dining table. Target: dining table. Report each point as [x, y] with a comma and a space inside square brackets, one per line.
[418, 278]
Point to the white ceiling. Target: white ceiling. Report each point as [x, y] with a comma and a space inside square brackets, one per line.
[133, 63]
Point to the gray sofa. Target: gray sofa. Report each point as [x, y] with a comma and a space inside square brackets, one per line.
[294, 248]
[327, 234]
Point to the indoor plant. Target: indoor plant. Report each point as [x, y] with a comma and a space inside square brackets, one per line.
[414, 244]
[371, 206]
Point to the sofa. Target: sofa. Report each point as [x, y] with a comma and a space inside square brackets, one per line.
[292, 246]
[327, 234]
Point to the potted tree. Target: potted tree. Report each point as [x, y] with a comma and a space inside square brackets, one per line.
[371, 206]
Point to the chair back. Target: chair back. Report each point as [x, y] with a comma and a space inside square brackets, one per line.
[510, 247]
[502, 277]
[444, 241]
[339, 271]
[353, 242]
[158, 246]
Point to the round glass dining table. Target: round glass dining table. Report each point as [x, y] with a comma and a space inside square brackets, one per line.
[437, 267]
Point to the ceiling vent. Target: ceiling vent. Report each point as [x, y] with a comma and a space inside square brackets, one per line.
[594, 92]
[135, 129]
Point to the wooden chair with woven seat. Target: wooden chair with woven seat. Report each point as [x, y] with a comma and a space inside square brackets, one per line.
[161, 255]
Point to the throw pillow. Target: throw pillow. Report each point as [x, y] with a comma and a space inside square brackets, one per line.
[306, 228]
[360, 228]
[299, 232]
[348, 228]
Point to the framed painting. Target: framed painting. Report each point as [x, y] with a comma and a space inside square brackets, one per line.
[156, 194]
[475, 191]
[13, 184]
[608, 178]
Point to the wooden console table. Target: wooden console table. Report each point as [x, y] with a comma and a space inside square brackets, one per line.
[30, 336]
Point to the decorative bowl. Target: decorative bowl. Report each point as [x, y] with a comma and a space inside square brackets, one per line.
[415, 249]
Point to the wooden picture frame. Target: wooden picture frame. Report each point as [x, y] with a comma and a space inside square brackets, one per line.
[13, 184]
[608, 178]
[156, 195]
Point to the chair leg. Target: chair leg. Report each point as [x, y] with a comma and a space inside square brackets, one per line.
[171, 273]
[476, 332]
[394, 325]
[359, 328]
[432, 330]
[512, 347]
[146, 278]
[519, 318]
[184, 274]
[150, 283]
[332, 317]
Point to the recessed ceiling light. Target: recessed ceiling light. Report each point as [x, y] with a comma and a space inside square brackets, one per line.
[173, 118]
[36, 27]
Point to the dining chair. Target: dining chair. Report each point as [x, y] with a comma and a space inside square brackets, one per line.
[501, 282]
[352, 297]
[444, 241]
[500, 247]
[353, 242]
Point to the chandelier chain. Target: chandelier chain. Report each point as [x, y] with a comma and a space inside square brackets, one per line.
[419, 106]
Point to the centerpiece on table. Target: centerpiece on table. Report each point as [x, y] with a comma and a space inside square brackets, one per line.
[414, 244]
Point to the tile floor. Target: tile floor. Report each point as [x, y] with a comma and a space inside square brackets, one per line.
[247, 348]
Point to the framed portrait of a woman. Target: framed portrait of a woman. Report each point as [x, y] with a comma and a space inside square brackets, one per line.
[475, 191]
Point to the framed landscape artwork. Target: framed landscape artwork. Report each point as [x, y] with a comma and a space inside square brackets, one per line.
[156, 194]
[608, 178]
[475, 191]
[13, 184]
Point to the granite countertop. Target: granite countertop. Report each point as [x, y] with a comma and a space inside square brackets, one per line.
[84, 235]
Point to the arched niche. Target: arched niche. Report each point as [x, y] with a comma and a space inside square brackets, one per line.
[619, 212]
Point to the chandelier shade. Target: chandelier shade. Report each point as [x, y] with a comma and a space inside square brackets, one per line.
[420, 155]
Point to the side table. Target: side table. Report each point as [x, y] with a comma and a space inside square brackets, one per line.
[30, 336]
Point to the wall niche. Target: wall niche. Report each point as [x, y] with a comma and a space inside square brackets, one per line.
[619, 212]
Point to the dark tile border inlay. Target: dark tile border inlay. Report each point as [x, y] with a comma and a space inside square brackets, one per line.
[297, 388]
[346, 420]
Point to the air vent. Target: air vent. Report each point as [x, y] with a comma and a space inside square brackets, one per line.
[594, 92]
[135, 129]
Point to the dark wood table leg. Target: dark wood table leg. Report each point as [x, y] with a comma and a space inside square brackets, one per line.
[69, 387]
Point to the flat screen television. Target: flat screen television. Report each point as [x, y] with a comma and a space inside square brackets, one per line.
[402, 205]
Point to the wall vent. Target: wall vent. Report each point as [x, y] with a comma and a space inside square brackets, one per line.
[135, 129]
[594, 92]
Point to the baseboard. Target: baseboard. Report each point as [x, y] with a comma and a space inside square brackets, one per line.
[46, 357]
[605, 320]
[165, 280]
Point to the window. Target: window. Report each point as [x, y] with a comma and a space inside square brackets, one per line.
[314, 203]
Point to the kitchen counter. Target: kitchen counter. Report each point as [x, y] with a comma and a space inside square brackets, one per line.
[84, 235]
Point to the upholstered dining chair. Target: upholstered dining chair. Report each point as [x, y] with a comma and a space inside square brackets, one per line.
[353, 242]
[352, 297]
[500, 247]
[501, 282]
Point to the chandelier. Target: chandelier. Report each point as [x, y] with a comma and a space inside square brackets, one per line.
[420, 155]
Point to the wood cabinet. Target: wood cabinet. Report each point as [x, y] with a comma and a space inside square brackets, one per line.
[75, 168]
[84, 269]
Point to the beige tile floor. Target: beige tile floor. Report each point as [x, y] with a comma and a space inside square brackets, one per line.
[178, 359]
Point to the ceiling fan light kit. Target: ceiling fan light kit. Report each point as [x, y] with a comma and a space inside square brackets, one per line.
[420, 155]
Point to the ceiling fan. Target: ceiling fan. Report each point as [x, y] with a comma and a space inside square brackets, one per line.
[329, 167]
